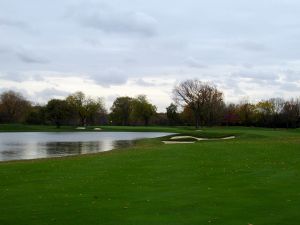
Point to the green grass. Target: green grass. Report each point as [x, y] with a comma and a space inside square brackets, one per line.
[252, 179]
[33, 128]
[45, 128]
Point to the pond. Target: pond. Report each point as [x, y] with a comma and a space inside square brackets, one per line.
[33, 145]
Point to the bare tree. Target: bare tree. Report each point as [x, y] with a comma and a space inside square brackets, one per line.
[291, 113]
[201, 98]
[278, 104]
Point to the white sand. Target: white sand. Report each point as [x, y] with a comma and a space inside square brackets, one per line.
[178, 142]
[201, 139]
[198, 139]
[227, 138]
[182, 137]
[80, 128]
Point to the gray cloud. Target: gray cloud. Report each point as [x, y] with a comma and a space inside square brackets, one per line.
[6, 22]
[142, 82]
[50, 93]
[24, 55]
[111, 20]
[290, 86]
[251, 46]
[13, 76]
[18, 76]
[4, 49]
[112, 98]
[291, 75]
[150, 83]
[257, 75]
[30, 57]
[93, 42]
[110, 77]
[193, 62]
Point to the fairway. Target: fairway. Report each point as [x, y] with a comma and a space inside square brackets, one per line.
[252, 179]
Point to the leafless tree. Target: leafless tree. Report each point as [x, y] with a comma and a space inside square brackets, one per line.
[202, 98]
[291, 113]
[278, 104]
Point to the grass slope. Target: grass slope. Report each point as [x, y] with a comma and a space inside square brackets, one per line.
[45, 128]
[253, 179]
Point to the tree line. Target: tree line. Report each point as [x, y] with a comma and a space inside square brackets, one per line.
[75, 109]
[195, 103]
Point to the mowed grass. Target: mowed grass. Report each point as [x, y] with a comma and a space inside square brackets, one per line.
[254, 179]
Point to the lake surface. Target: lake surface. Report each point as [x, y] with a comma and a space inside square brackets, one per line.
[33, 145]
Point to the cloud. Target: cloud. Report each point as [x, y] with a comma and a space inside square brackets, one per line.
[291, 75]
[153, 81]
[257, 75]
[193, 62]
[24, 55]
[290, 86]
[29, 57]
[5, 22]
[50, 93]
[110, 77]
[251, 46]
[13, 76]
[92, 42]
[142, 82]
[110, 20]
[17, 76]
[112, 98]
[4, 49]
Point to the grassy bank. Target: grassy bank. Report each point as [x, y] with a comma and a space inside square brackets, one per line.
[48, 128]
[253, 179]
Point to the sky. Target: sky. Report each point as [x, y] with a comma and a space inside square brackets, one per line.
[248, 49]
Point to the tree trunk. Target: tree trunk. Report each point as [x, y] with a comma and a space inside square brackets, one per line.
[197, 121]
[82, 121]
[57, 124]
[146, 120]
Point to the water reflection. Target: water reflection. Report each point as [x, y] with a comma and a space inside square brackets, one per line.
[32, 145]
[76, 148]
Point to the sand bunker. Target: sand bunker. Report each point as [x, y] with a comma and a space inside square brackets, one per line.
[178, 138]
[179, 142]
[80, 128]
[201, 139]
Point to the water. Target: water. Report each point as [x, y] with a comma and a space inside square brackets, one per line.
[33, 145]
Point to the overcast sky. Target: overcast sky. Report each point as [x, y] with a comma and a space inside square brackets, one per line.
[249, 49]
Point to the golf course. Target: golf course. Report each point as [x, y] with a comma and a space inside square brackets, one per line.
[253, 178]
